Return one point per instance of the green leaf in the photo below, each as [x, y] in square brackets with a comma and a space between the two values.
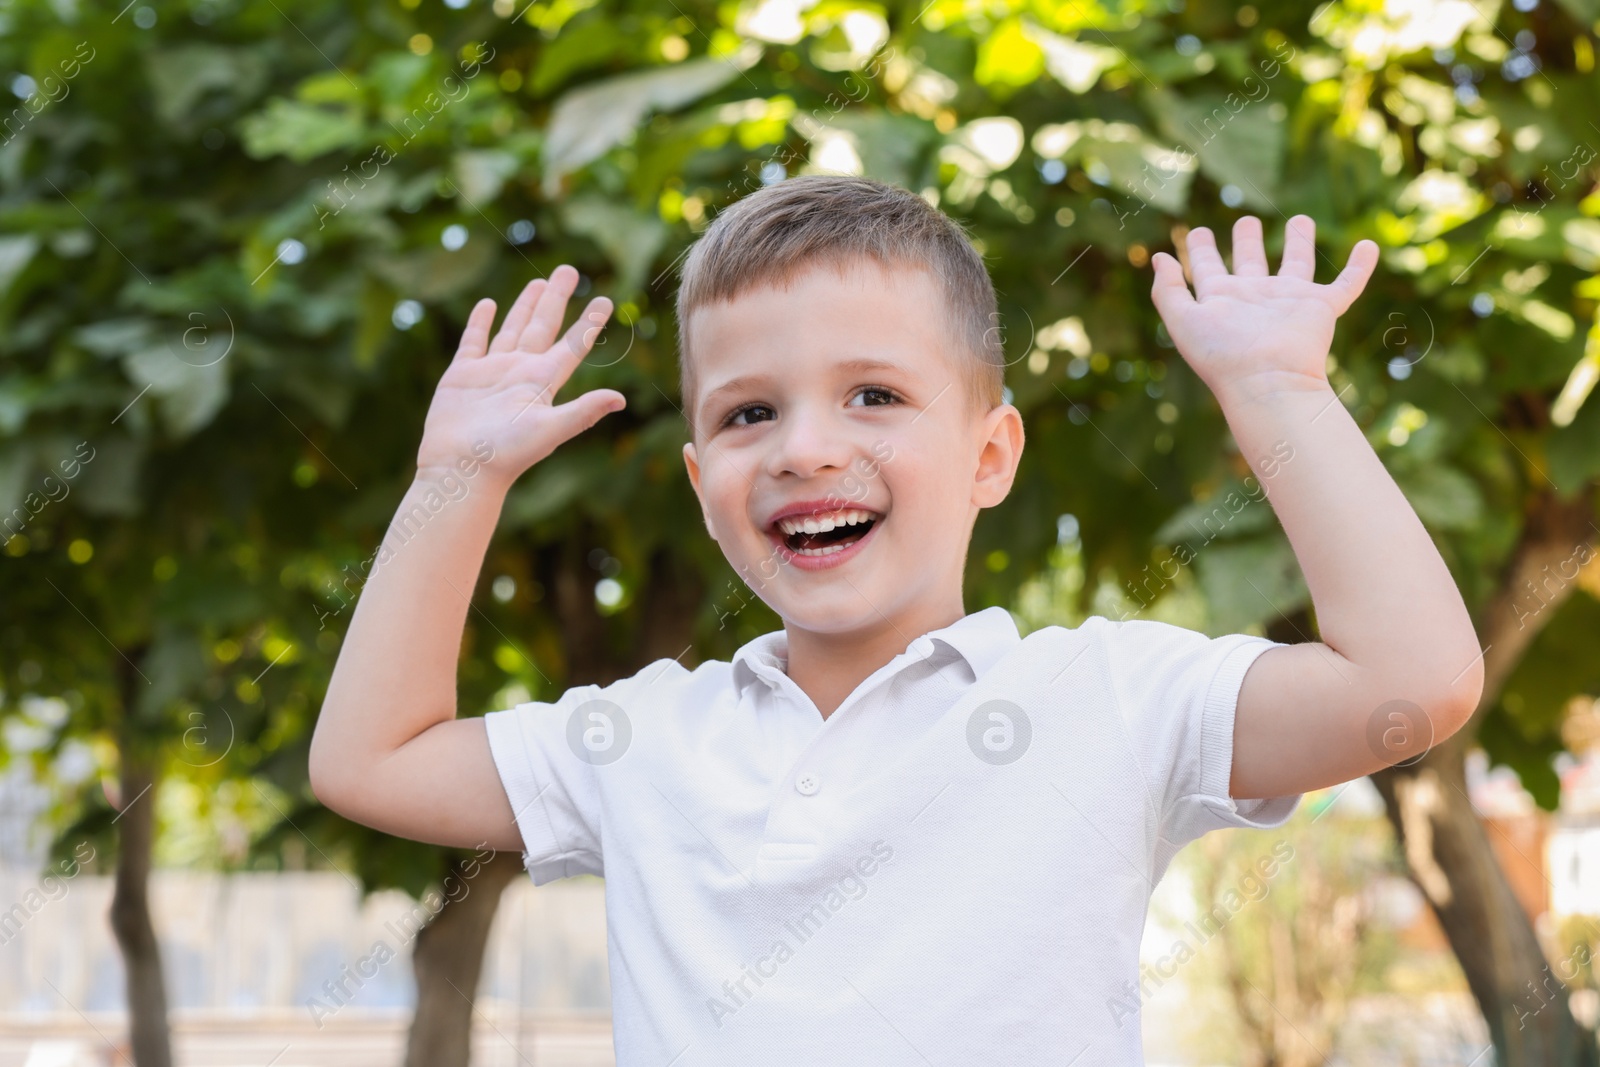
[17, 396]
[1236, 139]
[115, 337]
[181, 76]
[1530, 758]
[16, 252]
[1585, 11]
[1580, 239]
[579, 46]
[188, 396]
[631, 240]
[329, 87]
[891, 146]
[396, 74]
[1232, 511]
[320, 391]
[1074, 64]
[300, 131]
[1542, 237]
[109, 482]
[1134, 163]
[556, 484]
[1444, 498]
[16, 469]
[1574, 449]
[173, 665]
[432, 274]
[1523, 729]
[1455, 362]
[1250, 582]
[587, 122]
[1009, 57]
[482, 172]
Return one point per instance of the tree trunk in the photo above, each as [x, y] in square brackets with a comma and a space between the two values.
[130, 910]
[1447, 849]
[448, 960]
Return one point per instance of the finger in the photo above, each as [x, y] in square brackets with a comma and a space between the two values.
[1204, 260]
[1249, 251]
[1344, 289]
[476, 335]
[1169, 291]
[517, 317]
[1299, 249]
[580, 413]
[545, 323]
[581, 336]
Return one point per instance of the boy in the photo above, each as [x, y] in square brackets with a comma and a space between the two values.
[892, 832]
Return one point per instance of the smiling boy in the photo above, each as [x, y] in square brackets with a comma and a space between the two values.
[891, 832]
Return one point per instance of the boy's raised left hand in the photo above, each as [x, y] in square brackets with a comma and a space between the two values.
[1250, 333]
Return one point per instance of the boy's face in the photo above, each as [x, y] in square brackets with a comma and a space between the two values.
[901, 441]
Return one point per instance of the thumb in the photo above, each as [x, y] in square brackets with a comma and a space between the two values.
[1353, 279]
[582, 412]
[1168, 291]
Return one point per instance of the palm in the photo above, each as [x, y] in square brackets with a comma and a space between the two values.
[503, 392]
[1250, 323]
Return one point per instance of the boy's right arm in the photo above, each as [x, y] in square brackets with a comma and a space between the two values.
[388, 750]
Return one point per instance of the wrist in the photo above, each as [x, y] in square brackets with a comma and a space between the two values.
[475, 468]
[467, 477]
[452, 485]
[1271, 387]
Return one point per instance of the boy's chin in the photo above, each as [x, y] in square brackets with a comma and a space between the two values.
[840, 610]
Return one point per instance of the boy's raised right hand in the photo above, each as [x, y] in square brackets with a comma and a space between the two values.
[503, 391]
[389, 751]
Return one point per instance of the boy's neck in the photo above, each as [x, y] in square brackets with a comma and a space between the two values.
[829, 666]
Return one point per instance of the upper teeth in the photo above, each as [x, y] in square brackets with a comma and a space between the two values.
[813, 524]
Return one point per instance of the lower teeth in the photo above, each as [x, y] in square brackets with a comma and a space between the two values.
[826, 550]
[830, 550]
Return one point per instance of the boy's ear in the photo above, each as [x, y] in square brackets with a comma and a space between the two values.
[1000, 450]
[692, 463]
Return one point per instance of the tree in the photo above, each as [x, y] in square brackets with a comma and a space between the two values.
[331, 186]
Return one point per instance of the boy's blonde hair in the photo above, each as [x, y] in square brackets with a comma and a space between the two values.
[778, 231]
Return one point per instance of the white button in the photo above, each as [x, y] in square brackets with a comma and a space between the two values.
[808, 784]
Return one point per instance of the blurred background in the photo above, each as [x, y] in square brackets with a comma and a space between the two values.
[238, 242]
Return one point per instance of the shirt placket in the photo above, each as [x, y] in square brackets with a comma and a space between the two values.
[801, 798]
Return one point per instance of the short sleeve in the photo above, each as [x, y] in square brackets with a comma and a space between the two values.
[1178, 691]
[552, 791]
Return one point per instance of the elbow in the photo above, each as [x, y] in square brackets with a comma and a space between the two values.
[1455, 703]
[317, 776]
[324, 773]
[1418, 710]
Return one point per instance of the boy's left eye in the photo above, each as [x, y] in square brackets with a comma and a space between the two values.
[889, 397]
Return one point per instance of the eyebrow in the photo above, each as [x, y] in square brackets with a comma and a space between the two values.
[848, 366]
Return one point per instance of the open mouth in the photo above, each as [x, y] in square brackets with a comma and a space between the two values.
[827, 533]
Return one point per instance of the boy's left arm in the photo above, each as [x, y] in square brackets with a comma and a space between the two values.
[1398, 668]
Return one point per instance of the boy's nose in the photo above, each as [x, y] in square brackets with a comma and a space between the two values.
[808, 441]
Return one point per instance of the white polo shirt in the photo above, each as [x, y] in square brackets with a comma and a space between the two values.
[952, 868]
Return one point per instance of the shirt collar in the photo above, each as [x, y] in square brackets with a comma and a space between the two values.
[980, 638]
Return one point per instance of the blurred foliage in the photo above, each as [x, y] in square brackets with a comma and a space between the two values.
[1290, 924]
[238, 240]
[1577, 951]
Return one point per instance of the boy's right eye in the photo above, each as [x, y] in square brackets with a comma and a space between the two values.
[733, 416]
